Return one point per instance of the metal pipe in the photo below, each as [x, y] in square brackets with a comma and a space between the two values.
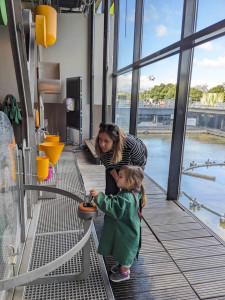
[115, 57]
[136, 72]
[181, 102]
[105, 59]
[91, 72]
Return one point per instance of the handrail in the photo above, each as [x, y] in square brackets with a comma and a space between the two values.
[24, 279]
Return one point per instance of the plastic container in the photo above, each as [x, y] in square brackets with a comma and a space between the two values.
[50, 169]
[52, 151]
[51, 138]
[42, 167]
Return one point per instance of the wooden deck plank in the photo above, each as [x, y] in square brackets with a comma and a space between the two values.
[176, 213]
[184, 234]
[203, 276]
[170, 221]
[197, 252]
[179, 293]
[201, 263]
[152, 283]
[191, 243]
[143, 258]
[176, 227]
[210, 289]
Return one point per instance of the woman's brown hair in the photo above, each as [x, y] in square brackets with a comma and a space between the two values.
[134, 176]
[117, 135]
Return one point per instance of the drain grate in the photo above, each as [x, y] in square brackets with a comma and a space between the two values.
[58, 215]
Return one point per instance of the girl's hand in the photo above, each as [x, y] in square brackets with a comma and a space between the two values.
[94, 193]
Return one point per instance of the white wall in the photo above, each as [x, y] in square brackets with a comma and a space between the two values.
[71, 51]
[8, 83]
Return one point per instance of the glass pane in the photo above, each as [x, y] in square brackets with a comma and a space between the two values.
[205, 136]
[155, 115]
[123, 101]
[9, 214]
[126, 32]
[162, 24]
[99, 8]
[210, 12]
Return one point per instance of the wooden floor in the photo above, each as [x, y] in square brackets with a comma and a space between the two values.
[180, 257]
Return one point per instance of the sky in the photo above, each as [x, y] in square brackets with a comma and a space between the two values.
[162, 27]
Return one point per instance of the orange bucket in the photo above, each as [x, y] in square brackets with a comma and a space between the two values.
[42, 167]
[51, 138]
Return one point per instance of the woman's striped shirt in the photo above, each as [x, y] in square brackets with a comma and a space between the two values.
[134, 153]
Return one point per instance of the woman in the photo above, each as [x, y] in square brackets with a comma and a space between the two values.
[116, 149]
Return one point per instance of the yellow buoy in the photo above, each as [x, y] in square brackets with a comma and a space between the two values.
[51, 138]
[42, 167]
[52, 150]
[48, 23]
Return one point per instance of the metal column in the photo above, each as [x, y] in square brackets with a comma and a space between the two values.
[136, 72]
[91, 53]
[115, 58]
[105, 59]
[181, 103]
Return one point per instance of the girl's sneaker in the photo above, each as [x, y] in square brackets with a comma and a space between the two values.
[115, 269]
[119, 276]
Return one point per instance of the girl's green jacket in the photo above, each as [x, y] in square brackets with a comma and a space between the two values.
[122, 227]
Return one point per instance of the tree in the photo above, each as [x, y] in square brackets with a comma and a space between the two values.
[217, 89]
[195, 94]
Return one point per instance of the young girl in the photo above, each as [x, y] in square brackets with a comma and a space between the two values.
[116, 149]
[121, 232]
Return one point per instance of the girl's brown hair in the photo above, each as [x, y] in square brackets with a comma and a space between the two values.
[134, 176]
[117, 135]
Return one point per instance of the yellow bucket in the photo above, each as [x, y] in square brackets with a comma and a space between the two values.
[52, 150]
[42, 167]
[45, 26]
[51, 138]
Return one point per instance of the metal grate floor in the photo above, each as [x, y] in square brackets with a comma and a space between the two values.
[58, 215]
[58, 230]
[90, 288]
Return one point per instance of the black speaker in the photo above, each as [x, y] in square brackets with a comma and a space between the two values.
[74, 90]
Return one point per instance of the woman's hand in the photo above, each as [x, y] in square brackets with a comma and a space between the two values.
[94, 193]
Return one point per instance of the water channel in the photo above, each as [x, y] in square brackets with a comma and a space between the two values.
[198, 148]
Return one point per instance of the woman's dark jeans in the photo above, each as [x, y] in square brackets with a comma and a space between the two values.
[111, 187]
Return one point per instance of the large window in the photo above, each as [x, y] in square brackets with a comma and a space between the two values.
[162, 24]
[209, 12]
[205, 135]
[126, 32]
[123, 101]
[155, 115]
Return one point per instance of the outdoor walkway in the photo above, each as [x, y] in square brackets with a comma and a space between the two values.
[180, 257]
